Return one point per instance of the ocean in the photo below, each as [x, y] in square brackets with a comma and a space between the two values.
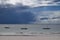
[29, 29]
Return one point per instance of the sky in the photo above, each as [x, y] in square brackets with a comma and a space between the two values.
[33, 3]
[30, 12]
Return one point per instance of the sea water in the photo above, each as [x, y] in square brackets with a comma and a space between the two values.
[31, 29]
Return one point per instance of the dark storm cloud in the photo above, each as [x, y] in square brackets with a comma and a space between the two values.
[10, 16]
[56, 0]
[44, 18]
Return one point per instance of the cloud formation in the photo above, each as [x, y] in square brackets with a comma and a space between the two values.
[33, 3]
[30, 11]
[50, 17]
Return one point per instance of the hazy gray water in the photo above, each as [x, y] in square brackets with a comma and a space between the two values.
[31, 28]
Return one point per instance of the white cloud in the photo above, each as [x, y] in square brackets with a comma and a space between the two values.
[32, 3]
[50, 15]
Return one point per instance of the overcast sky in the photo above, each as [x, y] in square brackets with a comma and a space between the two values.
[36, 7]
[34, 3]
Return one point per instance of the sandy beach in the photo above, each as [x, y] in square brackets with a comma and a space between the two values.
[40, 37]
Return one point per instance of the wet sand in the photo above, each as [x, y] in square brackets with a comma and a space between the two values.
[40, 37]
